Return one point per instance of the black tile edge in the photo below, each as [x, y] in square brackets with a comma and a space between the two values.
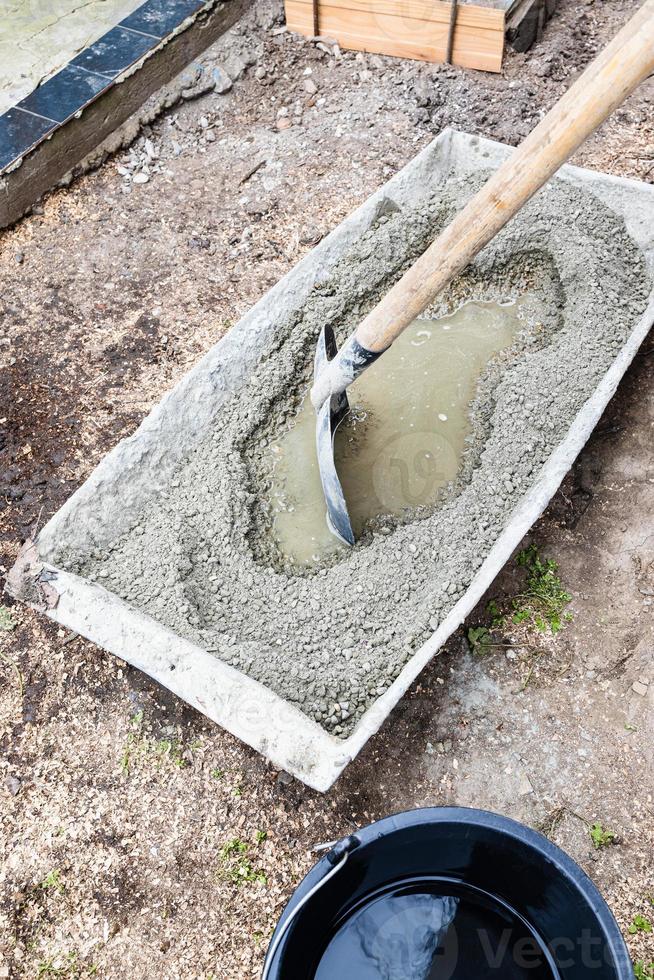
[29, 128]
[64, 94]
[115, 52]
[160, 18]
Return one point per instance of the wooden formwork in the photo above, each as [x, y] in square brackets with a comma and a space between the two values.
[408, 28]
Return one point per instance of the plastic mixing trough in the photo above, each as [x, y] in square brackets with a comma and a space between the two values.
[134, 475]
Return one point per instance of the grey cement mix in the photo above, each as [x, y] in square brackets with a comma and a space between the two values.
[198, 558]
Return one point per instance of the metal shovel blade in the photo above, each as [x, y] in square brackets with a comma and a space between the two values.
[330, 416]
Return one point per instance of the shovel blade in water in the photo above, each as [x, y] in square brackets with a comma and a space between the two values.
[329, 417]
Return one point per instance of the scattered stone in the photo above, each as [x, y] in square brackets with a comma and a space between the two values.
[140, 178]
[283, 123]
[19, 258]
[236, 63]
[284, 778]
[222, 82]
[12, 785]
[260, 206]
[329, 46]
[639, 688]
[309, 86]
[311, 236]
[206, 84]
[525, 787]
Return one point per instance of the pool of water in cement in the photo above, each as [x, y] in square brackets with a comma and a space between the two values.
[404, 438]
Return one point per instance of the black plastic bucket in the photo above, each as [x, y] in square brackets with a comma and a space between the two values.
[445, 894]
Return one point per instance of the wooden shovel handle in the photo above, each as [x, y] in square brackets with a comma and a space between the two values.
[605, 84]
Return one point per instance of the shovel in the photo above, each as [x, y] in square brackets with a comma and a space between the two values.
[605, 84]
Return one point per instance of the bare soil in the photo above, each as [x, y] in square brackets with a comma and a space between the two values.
[117, 799]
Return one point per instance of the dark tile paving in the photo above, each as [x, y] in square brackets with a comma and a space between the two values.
[66, 92]
[92, 71]
[161, 17]
[19, 131]
[114, 52]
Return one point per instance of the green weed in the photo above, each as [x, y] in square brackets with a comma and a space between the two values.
[601, 837]
[52, 881]
[495, 613]
[235, 865]
[65, 965]
[644, 971]
[140, 745]
[7, 621]
[544, 599]
[640, 924]
[480, 640]
[217, 773]
[169, 749]
[541, 606]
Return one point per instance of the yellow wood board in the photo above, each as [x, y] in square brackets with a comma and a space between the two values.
[407, 29]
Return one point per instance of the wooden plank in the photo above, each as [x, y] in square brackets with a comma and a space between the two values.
[435, 11]
[366, 29]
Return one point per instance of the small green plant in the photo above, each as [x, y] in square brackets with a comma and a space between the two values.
[7, 621]
[541, 605]
[217, 773]
[65, 965]
[601, 837]
[640, 924]
[170, 750]
[132, 743]
[236, 865]
[260, 836]
[139, 744]
[644, 971]
[480, 640]
[52, 881]
[495, 613]
[544, 599]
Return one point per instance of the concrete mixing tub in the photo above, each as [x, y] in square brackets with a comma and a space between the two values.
[140, 467]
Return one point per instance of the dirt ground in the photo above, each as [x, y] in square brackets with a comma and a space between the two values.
[120, 805]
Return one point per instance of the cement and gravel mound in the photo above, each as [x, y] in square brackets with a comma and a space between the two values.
[332, 640]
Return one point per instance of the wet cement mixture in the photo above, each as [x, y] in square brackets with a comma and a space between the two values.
[332, 639]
